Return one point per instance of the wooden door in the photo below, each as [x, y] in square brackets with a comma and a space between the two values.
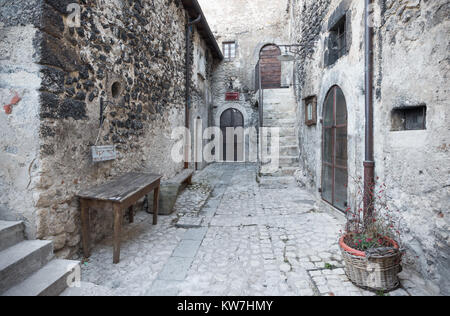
[334, 153]
[270, 67]
[232, 149]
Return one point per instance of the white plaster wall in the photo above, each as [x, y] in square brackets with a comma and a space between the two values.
[19, 131]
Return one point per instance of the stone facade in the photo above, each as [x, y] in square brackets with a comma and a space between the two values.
[251, 24]
[411, 61]
[124, 65]
[119, 78]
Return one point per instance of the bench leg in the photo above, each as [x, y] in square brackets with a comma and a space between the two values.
[118, 216]
[155, 205]
[85, 227]
[131, 214]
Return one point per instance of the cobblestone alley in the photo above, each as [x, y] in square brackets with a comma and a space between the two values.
[229, 237]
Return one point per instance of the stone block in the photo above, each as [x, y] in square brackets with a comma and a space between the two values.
[167, 197]
[195, 233]
[187, 249]
[51, 21]
[175, 269]
[72, 109]
[52, 80]
[54, 52]
[61, 5]
[49, 103]
[58, 241]
[169, 192]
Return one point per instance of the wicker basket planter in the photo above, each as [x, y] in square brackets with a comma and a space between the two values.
[375, 273]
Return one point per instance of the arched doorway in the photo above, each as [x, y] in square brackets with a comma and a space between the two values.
[232, 127]
[334, 152]
[270, 67]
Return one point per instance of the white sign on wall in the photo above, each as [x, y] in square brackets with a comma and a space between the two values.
[103, 153]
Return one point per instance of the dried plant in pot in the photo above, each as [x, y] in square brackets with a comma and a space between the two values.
[371, 246]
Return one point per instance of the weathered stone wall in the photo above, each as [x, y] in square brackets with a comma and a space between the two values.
[411, 69]
[202, 99]
[124, 65]
[252, 24]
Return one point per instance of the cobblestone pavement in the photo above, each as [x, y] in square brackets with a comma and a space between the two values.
[229, 236]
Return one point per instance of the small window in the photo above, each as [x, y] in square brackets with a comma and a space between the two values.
[337, 43]
[409, 118]
[229, 50]
[310, 110]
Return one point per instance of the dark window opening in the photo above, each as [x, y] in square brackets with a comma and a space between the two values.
[116, 89]
[409, 118]
[337, 41]
[229, 50]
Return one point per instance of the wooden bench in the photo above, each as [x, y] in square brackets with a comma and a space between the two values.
[118, 195]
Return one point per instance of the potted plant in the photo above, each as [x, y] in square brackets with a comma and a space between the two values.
[371, 246]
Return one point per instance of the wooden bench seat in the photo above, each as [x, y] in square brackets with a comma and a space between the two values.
[119, 195]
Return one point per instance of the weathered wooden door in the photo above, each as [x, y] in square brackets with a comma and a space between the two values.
[270, 67]
[232, 124]
[334, 153]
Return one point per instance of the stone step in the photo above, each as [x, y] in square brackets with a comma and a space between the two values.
[285, 122]
[276, 182]
[291, 150]
[51, 280]
[11, 233]
[287, 141]
[279, 107]
[286, 131]
[280, 172]
[283, 161]
[279, 100]
[277, 115]
[21, 260]
[288, 171]
[271, 92]
[286, 161]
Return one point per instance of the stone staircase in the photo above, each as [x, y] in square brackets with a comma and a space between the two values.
[280, 111]
[27, 267]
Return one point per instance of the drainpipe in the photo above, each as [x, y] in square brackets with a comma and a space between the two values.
[188, 80]
[369, 163]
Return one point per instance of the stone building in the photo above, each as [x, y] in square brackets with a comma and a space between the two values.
[116, 78]
[119, 78]
[411, 114]
[243, 29]
[410, 111]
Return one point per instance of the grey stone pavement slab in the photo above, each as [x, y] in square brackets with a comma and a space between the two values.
[248, 240]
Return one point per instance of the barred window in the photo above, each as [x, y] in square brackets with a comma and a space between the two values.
[337, 41]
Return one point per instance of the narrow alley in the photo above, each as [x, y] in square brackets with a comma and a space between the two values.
[224, 148]
[248, 241]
